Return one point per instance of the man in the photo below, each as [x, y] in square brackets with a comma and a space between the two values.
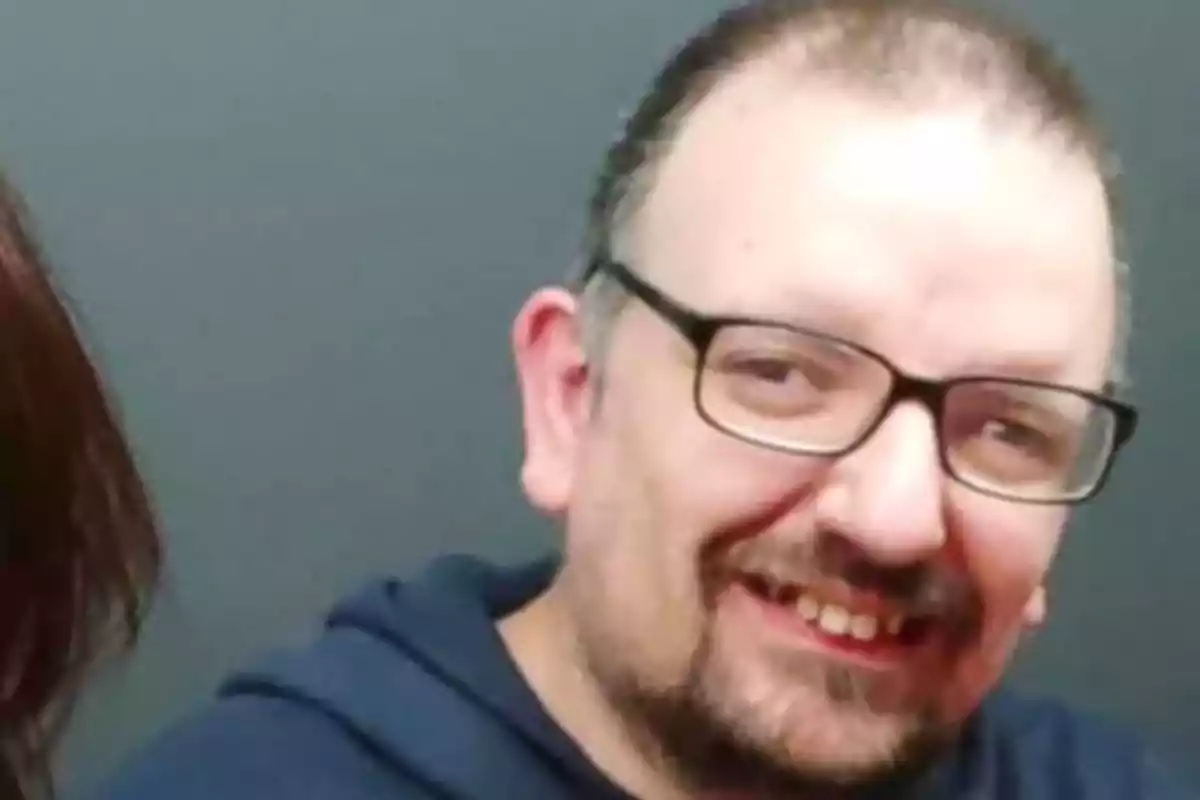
[844, 356]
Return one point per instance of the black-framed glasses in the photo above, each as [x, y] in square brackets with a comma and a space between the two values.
[809, 393]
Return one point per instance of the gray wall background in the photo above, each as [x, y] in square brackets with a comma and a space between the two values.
[296, 233]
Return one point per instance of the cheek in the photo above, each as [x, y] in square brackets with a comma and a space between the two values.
[713, 483]
[695, 479]
[657, 486]
[631, 553]
[1008, 549]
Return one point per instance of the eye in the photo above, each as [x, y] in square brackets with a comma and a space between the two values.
[765, 368]
[778, 369]
[1019, 435]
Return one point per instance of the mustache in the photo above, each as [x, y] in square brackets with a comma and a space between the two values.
[927, 589]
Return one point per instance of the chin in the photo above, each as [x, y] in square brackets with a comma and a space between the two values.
[846, 745]
[791, 744]
[809, 727]
[802, 728]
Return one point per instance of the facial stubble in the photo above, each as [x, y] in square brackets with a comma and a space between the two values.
[715, 741]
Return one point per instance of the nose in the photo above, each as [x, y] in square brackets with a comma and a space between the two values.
[886, 497]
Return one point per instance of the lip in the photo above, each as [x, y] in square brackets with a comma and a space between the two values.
[785, 623]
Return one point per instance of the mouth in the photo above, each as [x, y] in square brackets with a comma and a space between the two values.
[839, 620]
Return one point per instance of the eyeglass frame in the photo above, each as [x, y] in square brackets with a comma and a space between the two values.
[700, 330]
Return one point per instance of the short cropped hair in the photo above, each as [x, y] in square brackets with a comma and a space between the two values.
[912, 52]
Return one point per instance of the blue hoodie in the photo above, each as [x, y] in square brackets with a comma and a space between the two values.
[409, 694]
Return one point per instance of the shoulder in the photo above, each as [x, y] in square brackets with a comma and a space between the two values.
[298, 725]
[1041, 748]
[249, 747]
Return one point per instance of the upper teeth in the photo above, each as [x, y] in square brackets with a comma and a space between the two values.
[809, 608]
[864, 627]
[838, 621]
[835, 620]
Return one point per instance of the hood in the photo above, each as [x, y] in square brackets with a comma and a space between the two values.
[417, 671]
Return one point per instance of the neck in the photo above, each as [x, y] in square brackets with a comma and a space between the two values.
[541, 640]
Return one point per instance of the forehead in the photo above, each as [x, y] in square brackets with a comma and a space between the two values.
[931, 235]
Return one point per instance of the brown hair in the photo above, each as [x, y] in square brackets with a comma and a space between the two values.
[79, 550]
[900, 51]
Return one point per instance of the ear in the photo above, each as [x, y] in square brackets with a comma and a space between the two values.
[553, 377]
[1035, 608]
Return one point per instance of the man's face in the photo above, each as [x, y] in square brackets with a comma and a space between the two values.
[946, 245]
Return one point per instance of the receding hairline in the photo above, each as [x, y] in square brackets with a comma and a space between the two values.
[899, 53]
[811, 58]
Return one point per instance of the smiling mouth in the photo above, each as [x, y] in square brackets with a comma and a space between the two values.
[844, 625]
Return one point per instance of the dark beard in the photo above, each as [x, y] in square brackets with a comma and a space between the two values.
[684, 725]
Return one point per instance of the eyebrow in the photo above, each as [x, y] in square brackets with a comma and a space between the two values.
[847, 323]
[1030, 364]
[844, 320]
[1019, 367]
